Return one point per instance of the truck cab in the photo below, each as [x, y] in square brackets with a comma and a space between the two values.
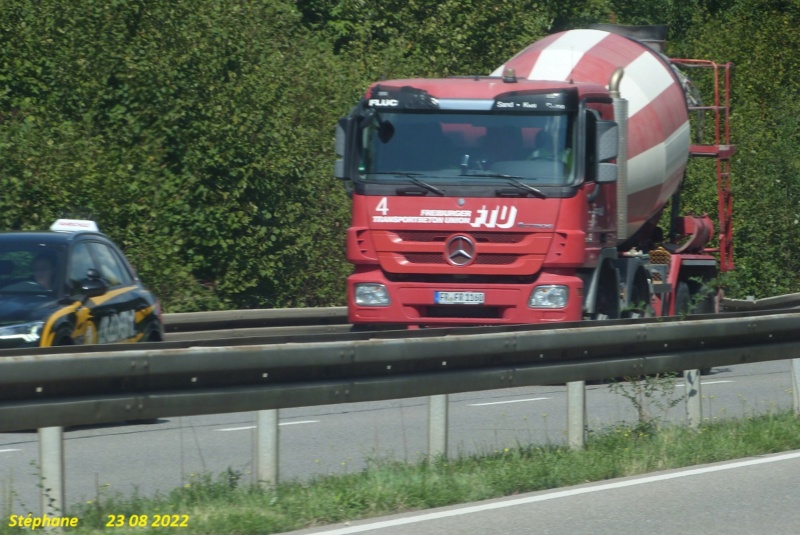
[476, 200]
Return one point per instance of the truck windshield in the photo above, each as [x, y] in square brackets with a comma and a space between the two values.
[469, 145]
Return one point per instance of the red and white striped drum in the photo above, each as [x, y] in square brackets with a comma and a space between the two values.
[658, 127]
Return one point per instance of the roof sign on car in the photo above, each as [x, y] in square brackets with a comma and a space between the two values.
[74, 225]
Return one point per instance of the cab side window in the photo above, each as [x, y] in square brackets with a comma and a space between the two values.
[80, 262]
[112, 270]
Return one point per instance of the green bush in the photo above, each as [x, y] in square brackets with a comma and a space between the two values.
[199, 135]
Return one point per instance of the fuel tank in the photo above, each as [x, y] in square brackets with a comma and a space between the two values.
[658, 124]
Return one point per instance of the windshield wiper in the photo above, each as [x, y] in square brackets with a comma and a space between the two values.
[514, 180]
[413, 178]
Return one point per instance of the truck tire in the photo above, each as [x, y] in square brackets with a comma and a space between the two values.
[705, 304]
[607, 304]
[683, 306]
[640, 299]
[688, 302]
[683, 299]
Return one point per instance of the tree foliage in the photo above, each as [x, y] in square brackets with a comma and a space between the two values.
[759, 38]
[199, 135]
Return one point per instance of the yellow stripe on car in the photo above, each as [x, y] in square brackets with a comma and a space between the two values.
[48, 335]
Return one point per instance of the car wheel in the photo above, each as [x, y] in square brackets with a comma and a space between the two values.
[63, 338]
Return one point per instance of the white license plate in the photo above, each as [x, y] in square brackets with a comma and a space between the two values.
[458, 298]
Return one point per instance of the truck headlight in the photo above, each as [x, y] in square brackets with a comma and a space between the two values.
[552, 296]
[26, 332]
[372, 295]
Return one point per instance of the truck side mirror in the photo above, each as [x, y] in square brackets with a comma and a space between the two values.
[606, 172]
[607, 140]
[606, 148]
[342, 164]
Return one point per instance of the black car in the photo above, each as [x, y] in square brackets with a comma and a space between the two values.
[71, 285]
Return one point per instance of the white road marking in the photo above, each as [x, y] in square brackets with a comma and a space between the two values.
[556, 495]
[503, 402]
[703, 383]
[6, 451]
[282, 423]
[300, 422]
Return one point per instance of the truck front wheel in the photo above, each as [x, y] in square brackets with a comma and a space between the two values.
[607, 304]
[682, 299]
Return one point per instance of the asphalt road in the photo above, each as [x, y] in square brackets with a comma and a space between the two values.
[120, 458]
[752, 496]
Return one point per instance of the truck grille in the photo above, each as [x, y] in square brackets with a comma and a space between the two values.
[427, 236]
[484, 259]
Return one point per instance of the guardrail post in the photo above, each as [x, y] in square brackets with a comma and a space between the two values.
[576, 414]
[694, 403]
[51, 459]
[437, 426]
[266, 456]
[796, 383]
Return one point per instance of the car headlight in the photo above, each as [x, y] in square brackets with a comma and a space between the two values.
[27, 332]
[372, 295]
[552, 296]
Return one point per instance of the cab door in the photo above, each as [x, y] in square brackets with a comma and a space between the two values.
[85, 326]
[111, 316]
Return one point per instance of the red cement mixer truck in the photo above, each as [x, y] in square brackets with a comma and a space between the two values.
[537, 194]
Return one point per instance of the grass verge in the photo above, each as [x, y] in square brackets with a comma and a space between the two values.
[221, 505]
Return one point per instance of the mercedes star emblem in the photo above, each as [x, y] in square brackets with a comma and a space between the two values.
[460, 250]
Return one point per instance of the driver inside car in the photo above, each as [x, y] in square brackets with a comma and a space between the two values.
[44, 269]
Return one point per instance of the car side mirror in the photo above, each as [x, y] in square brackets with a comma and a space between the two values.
[93, 285]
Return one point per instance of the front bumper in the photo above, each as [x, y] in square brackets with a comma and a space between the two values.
[413, 303]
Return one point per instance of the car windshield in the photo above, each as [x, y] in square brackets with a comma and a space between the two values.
[30, 268]
[469, 145]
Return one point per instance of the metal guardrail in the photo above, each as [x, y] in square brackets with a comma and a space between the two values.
[778, 302]
[106, 386]
[327, 320]
[258, 322]
[51, 391]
